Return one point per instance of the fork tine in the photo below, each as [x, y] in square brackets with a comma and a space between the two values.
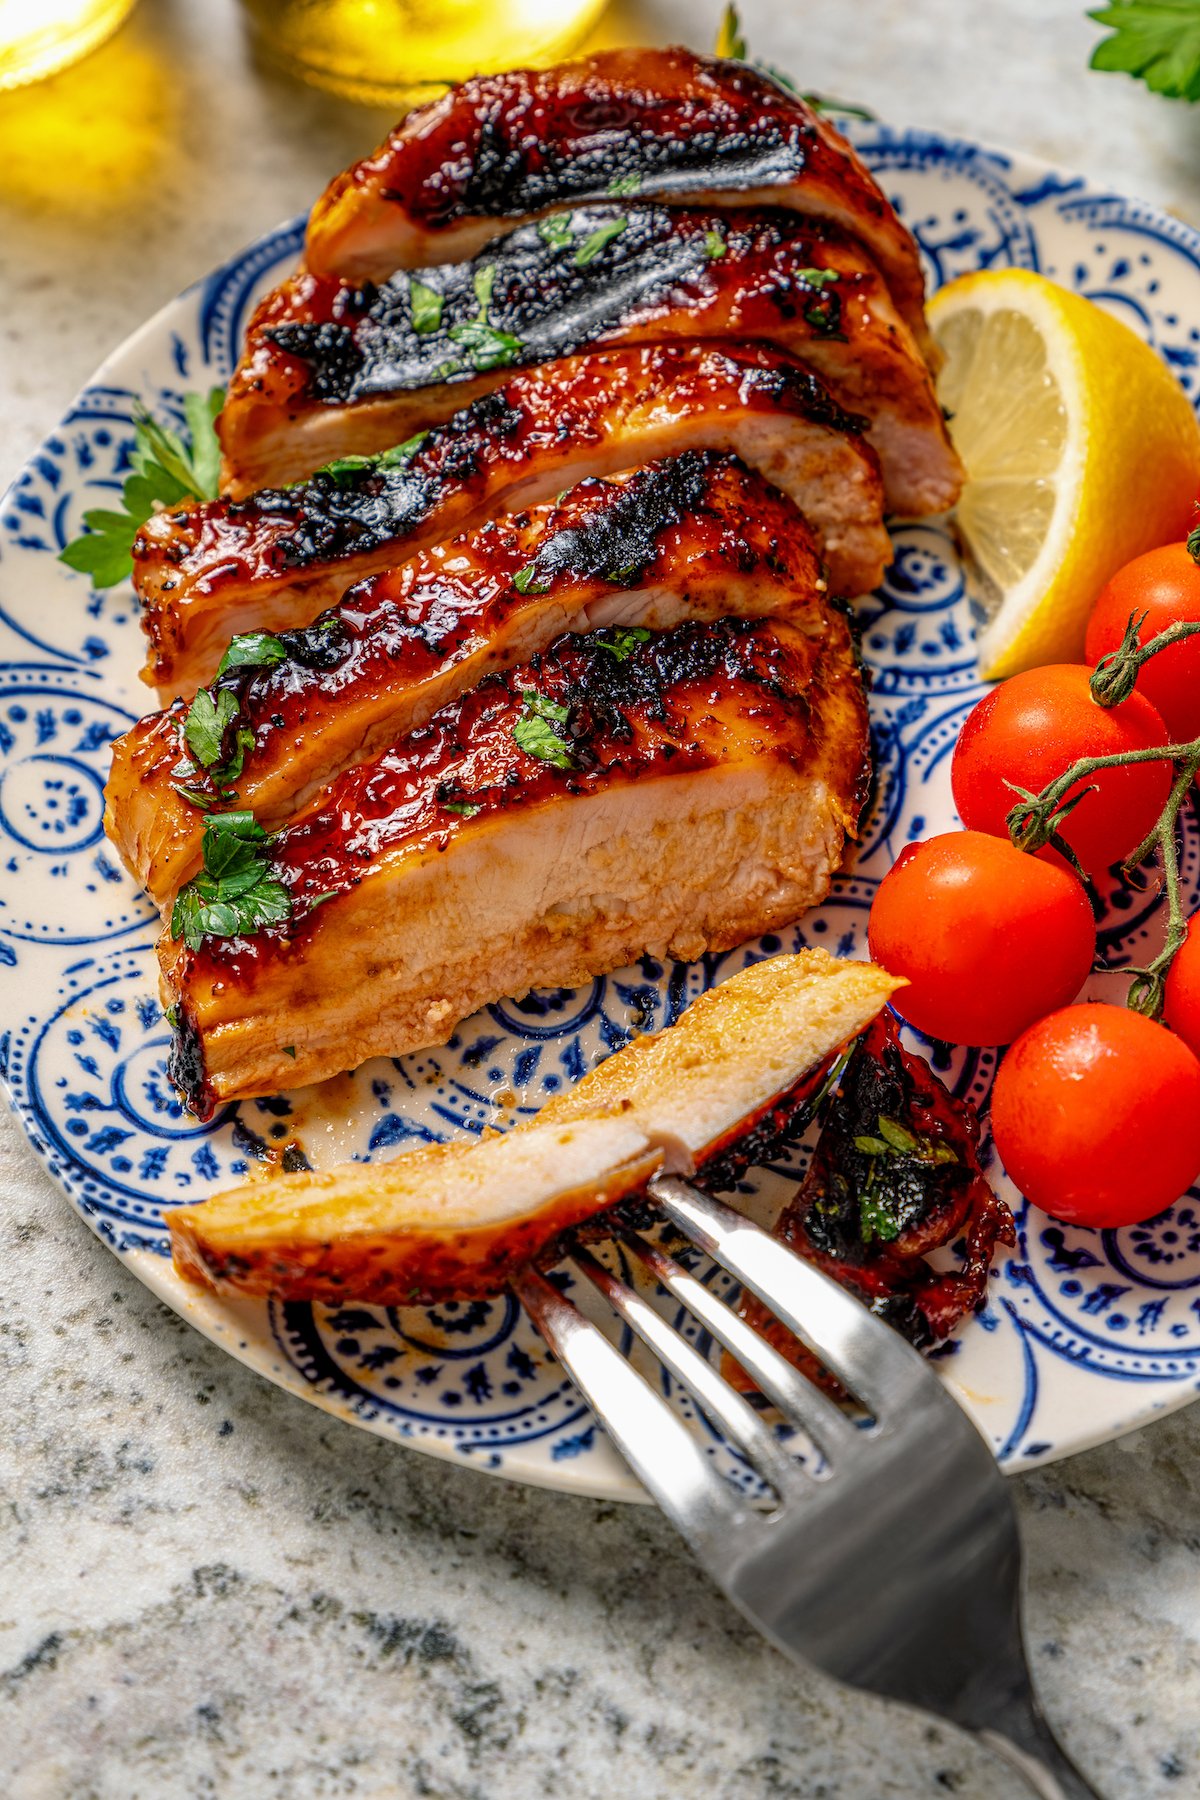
[654, 1441]
[869, 1359]
[802, 1405]
[727, 1409]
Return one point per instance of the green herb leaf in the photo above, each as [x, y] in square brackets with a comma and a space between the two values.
[730, 41]
[526, 581]
[624, 185]
[622, 642]
[715, 245]
[252, 650]
[484, 282]
[235, 893]
[206, 724]
[1157, 41]
[465, 808]
[426, 305]
[290, 1050]
[871, 1146]
[165, 470]
[398, 457]
[535, 731]
[898, 1136]
[816, 278]
[591, 247]
[556, 231]
[822, 103]
[484, 346]
[876, 1220]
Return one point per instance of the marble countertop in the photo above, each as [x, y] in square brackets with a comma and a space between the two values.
[209, 1588]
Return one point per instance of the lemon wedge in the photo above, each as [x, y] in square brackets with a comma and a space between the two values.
[1081, 450]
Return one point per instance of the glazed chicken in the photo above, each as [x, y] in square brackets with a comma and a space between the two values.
[331, 369]
[696, 537]
[556, 821]
[460, 1218]
[664, 125]
[275, 560]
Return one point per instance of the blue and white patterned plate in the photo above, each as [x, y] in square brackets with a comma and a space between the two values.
[1086, 1333]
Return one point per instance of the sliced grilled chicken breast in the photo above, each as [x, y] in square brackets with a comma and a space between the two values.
[696, 537]
[330, 367]
[273, 561]
[461, 1218]
[554, 822]
[665, 125]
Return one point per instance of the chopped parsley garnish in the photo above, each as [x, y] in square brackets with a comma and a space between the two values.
[878, 1219]
[527, 581]
[591, 246]
[398, 457]
[252, 650]
[730, 41]
[484, 344]
[714, 245]
[165, 471]
[816, 278]
[556, 231]
[1158, 41]
[623, 641]
[290, 1050]
[206, 724]
[624, 185]
[824, 313]
[426, 305]
[465, 808]
[235, 893]
[536, 731]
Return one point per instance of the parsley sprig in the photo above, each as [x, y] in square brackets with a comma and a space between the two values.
[538, 732]
[235, 893]
[483, 344]
[165, 471]
[1158, 41]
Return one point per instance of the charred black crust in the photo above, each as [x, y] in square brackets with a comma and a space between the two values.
[549, 302]
[186, 1066]
[740, 132]
[336, 517]
[622, 537]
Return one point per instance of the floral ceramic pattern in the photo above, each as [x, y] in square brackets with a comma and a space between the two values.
[1085, 1334]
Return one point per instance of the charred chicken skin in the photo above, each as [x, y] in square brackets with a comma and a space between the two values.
[666, 125]
[696, 537]
[895, 1175]
[460, 1218]
[331, 368]
[554, 822]
[273, 561]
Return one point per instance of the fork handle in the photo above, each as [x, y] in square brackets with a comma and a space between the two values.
[1028, 1745]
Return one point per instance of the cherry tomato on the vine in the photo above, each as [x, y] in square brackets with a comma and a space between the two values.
[1029, 731]
[1181, 1008]
[988, 938]
[1165, 585]
[1096, 1115]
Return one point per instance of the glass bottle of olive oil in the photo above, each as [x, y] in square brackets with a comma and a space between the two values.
[403, 51]
[37, 37]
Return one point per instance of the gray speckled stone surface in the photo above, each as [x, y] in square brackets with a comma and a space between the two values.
[208, 1588]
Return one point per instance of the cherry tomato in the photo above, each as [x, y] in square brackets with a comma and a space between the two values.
[989, 938]
[1096, 1115]
[1031, 729]
[1165, 585]
[1181, 1009]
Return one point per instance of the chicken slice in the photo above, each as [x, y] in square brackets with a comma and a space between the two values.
[461, 1218]
[273, 561]
[330, 368]
[695, 537]
[555, 822]
[666, 125]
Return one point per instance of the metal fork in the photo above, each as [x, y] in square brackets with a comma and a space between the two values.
[895, 1564]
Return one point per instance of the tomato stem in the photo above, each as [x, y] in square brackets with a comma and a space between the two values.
[1116, 674]
[1033, 823]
